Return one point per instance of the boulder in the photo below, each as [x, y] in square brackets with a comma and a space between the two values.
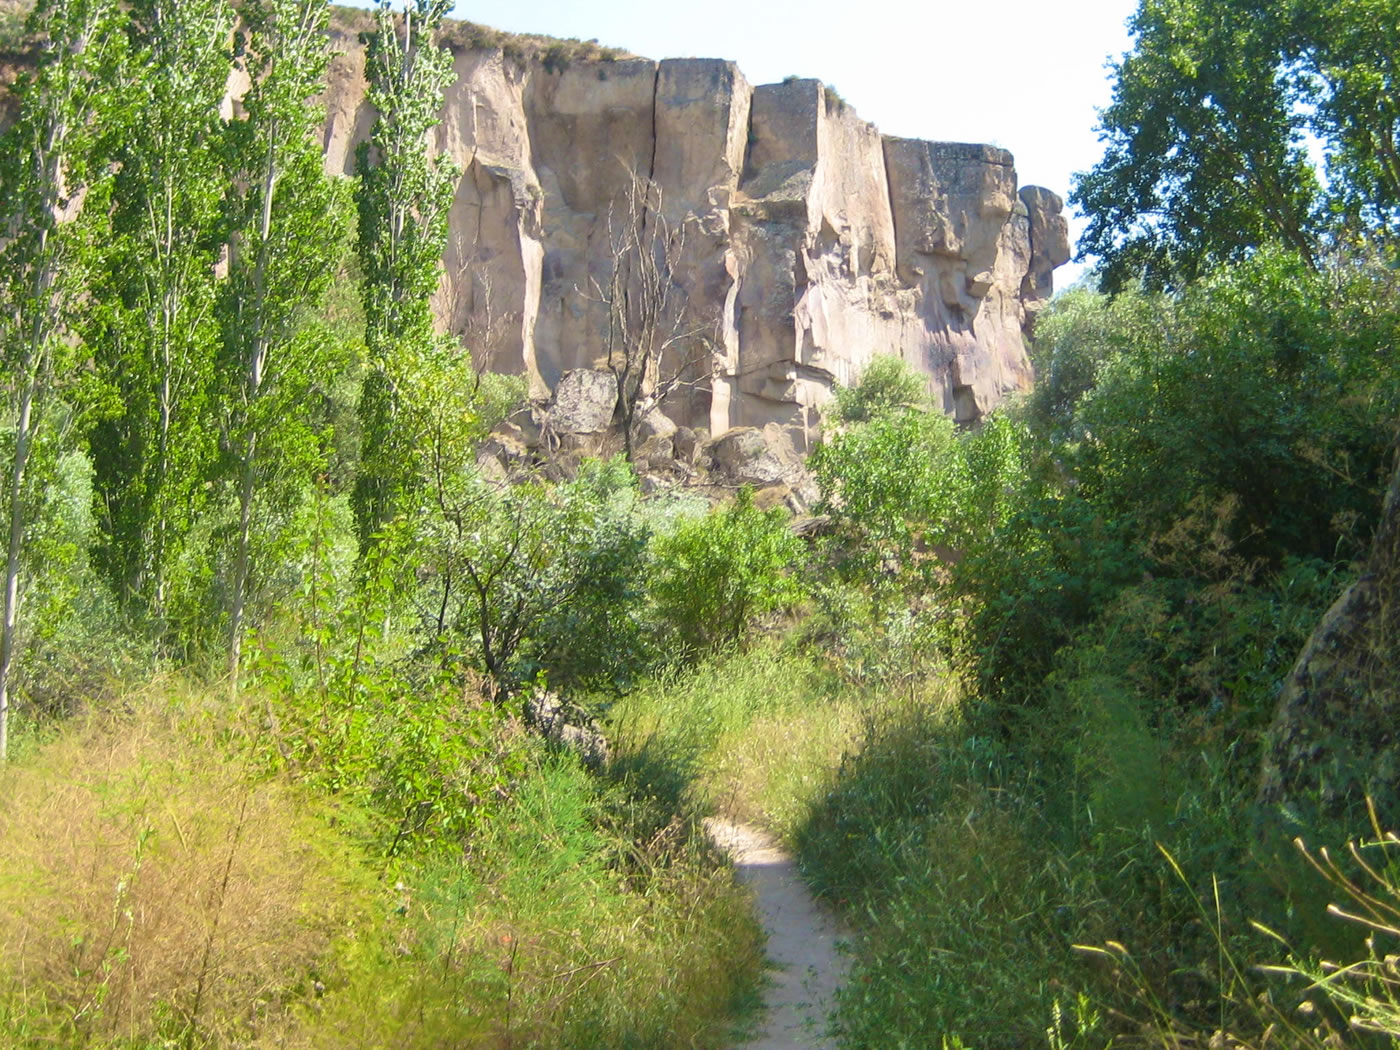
[1335, 738]
[757, 456]
[568, 726]
[655, 424]
[584, 402]
[656, 454]
[687, 442]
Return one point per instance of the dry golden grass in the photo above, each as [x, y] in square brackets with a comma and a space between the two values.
[150, 887]
[157, 893]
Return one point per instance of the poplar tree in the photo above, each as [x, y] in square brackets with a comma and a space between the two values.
[52, 180]
[288, 240]
[157, 334]
[404, 195]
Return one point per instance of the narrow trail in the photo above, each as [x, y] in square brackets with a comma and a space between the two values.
[802, 938]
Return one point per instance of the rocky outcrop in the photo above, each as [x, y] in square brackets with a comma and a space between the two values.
[1335, 738]
[801, 242]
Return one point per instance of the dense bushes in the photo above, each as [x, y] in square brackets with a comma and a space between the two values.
[1256, 386]
[1121, 571]
[1209, 438]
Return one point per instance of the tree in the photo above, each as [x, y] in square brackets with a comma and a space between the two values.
[714, 574]
[1260, 382]
[654, 339]
[520, 574]
[1206, 139]
[155, 335]
[1204, 156]
[891, 473]
[887, 386]
[288, 240]
[51, 183]
[1347, 49]
[404, 194]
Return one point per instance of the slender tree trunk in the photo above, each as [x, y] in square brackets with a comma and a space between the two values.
[9, 627]
[39, 326]
[161, 524]
[256, 360]
[243, 560]
[170, 318]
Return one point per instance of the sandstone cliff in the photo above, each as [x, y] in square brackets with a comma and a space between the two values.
[804, 241]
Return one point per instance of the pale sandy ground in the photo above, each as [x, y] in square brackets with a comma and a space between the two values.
[802, 938]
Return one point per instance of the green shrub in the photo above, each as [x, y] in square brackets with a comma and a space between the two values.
[886, 387]
[891, 488]
[532, 578]
[599, 638]
[13, 14]
[711, 576]
[1257, 385]
[1028, 584]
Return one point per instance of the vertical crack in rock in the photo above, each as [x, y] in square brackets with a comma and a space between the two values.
[655, 101]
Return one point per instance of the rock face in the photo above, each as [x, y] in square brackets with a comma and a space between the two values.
[802, 241]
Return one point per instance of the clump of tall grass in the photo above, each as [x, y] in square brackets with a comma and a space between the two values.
[759, 734]
[928, 839]
[164, 885]
[151, 888]
[1308, 1002]
[557, 928]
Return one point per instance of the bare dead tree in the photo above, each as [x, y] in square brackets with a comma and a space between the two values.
[655, 343]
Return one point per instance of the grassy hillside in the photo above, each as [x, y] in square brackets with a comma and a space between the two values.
[169, 880]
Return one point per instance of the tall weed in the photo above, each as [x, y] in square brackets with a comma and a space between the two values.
[151, 890]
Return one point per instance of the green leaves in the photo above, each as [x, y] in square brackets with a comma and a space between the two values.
[53, 177]
[403, 196]
[1350, 48]
[530, 577]
[887, 387]
[1261, 382]
[154, 333]
[1207, 137]
[1204, 155]
[891, 478]
[289, 236]
[713, 575]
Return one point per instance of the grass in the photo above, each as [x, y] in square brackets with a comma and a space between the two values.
[162, 888]
[758, 735]
[554, 53]
[153, 888]
[936, 856]
[977, 855]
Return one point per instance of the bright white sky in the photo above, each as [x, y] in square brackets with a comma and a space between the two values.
[1027, 75]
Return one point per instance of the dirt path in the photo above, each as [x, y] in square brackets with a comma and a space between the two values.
[802, 938]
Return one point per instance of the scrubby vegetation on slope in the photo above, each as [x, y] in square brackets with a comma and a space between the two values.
[274, 642]
[183, 872]
[1074, 845]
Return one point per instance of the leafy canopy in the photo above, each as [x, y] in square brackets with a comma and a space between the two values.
[1207, 138]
